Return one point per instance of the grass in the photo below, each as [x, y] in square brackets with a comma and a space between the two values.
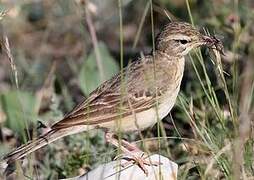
[209, 131]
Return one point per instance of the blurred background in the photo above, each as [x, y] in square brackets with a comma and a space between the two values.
[50, 58]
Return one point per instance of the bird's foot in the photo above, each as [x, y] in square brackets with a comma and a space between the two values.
[139, 158]
[131, 153]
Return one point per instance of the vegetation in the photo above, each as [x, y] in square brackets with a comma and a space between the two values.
[55, 52]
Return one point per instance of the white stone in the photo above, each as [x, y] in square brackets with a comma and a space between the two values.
[112, 171]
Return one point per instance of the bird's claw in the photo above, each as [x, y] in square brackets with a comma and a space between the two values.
[138, 158]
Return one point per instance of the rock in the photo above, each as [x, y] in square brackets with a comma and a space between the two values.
[112, 171]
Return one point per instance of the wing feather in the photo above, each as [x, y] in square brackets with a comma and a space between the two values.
[107, 103]
[96, 113]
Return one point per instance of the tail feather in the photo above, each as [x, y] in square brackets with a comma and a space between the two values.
[31, 146]
[41, 141]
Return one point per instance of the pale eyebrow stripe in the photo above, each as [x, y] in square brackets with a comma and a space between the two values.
[177, 37]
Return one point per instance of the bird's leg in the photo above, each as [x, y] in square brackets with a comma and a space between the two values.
[128, 146]
[134, 154]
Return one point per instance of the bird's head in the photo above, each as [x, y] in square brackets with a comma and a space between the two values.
[178, 38]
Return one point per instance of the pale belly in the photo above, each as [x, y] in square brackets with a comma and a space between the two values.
[142, 120]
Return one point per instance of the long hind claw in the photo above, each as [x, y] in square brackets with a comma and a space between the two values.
[141, 160]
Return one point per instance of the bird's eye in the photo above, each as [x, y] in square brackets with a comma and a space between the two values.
[183, 41]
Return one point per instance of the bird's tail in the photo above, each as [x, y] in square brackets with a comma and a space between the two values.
[41, 141]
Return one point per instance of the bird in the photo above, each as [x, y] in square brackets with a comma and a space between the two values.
[132, 100]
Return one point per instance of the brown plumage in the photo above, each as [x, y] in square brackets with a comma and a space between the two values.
[130, 105]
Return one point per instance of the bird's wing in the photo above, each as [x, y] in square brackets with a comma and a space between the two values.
[108, 103]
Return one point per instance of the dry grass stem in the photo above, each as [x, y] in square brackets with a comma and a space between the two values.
[11, 60]
[92, 32]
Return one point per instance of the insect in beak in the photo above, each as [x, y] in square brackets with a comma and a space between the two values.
[211, 41]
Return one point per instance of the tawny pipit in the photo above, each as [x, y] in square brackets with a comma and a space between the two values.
[131, 100]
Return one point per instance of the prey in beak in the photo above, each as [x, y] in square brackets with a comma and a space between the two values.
[212, 41]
